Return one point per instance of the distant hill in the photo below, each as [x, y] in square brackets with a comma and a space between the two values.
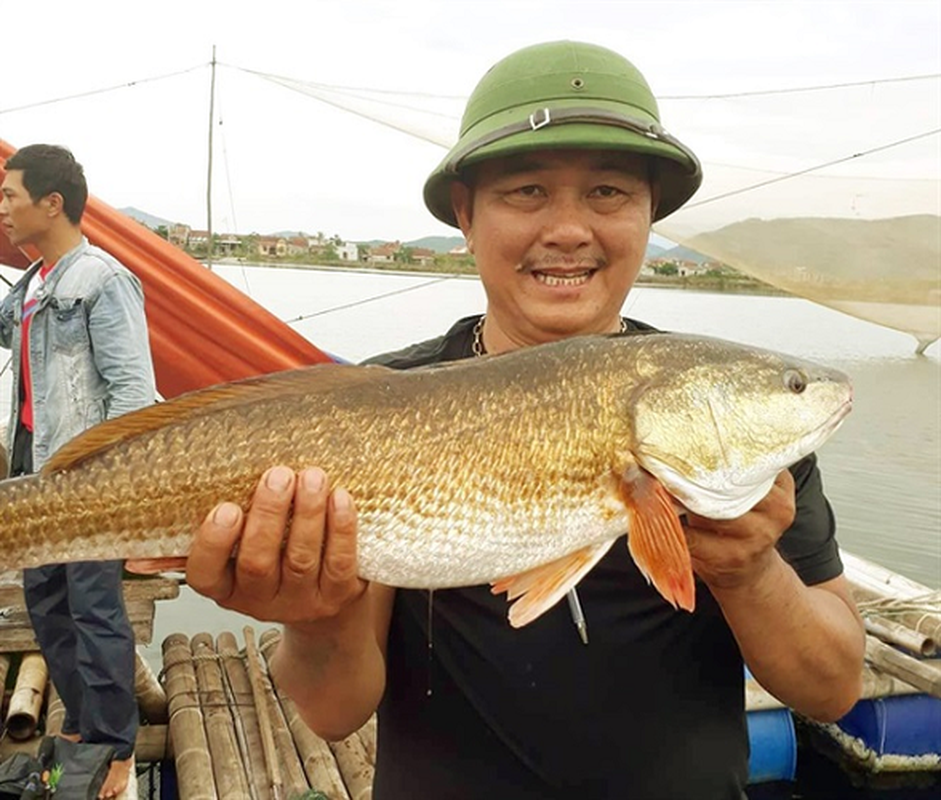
[440, 244]
[149, 220]
[680, 253]
[654, 251]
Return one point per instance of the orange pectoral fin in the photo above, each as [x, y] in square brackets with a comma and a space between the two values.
[656, 539]
[541, 588]
[153, 566]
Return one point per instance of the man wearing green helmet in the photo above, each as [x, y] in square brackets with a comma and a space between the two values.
[560, 169]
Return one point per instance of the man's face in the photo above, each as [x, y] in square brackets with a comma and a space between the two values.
[559, 237]
[22, 220]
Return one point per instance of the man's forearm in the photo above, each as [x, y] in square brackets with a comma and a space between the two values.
[804, 644]
[334, 669]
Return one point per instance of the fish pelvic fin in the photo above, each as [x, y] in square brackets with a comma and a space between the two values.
[537, 590]
[656, 539]
[154, 566]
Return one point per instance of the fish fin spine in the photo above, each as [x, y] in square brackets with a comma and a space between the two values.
[537, 590]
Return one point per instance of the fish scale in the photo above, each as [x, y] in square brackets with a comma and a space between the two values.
[462, 473]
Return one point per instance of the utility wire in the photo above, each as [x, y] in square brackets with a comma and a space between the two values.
[796, 89]
[790, 175]
[372, 299]
[104, 90]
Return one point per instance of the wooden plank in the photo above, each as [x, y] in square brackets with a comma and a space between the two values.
[16, 632]
[158, 588]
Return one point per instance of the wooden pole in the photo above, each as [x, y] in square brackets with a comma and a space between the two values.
[212, 113]
[317, 758]
[240, 698]
[187, 733]
[220, 728]
[26, 700]
[295, 781]
[151, 697]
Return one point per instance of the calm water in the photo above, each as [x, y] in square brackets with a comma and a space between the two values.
[882, 470]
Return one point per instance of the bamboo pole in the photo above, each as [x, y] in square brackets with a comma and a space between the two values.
[900, 635]
[871, 583]
[264, 719]
[240, 698]
[4, 669]
[368, 734]
[151, 697]
[193, 765]
[231, 781]
[354, 766]
[295, 781]
[920, 674]
[153, 744]
[55, 711]
[317, 758]
[26, 700]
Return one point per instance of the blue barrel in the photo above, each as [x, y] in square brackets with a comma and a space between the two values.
[773, 746]
[907, 725]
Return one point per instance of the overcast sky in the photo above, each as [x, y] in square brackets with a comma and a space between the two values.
[284, 160]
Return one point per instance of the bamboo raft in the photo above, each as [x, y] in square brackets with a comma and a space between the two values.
[214, 724]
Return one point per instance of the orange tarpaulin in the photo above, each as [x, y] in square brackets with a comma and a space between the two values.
[202, 329]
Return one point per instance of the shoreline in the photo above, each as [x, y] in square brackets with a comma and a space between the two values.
[732, 285]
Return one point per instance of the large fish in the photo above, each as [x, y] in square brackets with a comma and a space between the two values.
[520, 469]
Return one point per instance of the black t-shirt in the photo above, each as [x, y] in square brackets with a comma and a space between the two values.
[652, 707]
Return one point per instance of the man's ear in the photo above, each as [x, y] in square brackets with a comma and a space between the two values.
[462, 201]
[654, 200]
[54, 203]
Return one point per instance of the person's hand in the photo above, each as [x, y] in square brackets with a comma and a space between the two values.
[736, 552]
[290, 559]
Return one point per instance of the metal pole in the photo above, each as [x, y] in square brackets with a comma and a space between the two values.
[212, 100]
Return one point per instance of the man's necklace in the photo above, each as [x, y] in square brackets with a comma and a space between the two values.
[478, 349]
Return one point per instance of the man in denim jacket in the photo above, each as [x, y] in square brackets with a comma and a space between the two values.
[76, 327]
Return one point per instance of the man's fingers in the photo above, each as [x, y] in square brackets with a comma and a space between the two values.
[304, 546]
[258, 566]
[209, 566]
[338, 576]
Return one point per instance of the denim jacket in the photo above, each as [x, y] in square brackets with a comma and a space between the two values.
[89, 351]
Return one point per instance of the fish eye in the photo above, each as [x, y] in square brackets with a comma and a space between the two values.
[795, 381]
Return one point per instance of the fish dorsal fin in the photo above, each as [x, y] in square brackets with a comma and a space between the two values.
[541, 588]
[321, 378]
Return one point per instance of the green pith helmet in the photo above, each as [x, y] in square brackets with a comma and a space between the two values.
[564, 95]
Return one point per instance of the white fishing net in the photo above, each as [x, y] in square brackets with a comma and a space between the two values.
[831, 193]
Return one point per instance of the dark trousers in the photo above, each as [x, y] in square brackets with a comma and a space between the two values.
[78, 615]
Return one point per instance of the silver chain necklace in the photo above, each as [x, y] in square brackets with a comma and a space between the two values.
[478, 349]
